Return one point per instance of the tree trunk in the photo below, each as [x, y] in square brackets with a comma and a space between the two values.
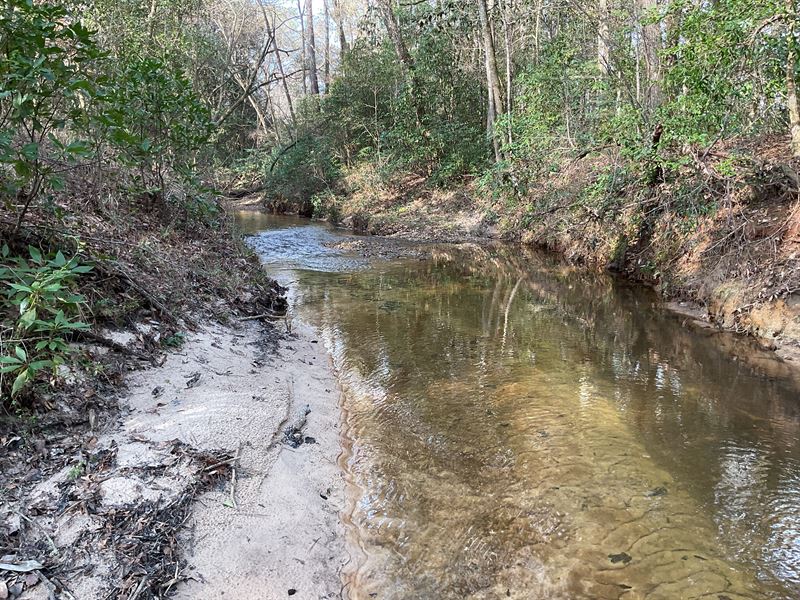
[395, 34]
[303, 57]
[279, 62]
[495, 104]
[339, 18]
[311, 50]
[673, 24]
[327, 62]
[262, 121]
[507, 36]
[392, 25]
[537, 30]
[273, 116]
[602, 37]
[650, 47]
[491, 116]
[250, 86]
[791, 73]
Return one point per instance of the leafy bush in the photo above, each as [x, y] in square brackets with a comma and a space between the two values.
[427, 120]
[719, 66]
[293, 174]
[326, 206]
[40, 310]
[154, 119]
[46, 84]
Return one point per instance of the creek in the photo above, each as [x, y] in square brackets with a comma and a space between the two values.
[519, 428]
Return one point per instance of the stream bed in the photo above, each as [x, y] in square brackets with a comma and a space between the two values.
[519, 428]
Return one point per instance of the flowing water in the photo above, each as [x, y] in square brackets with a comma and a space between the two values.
[520, 429]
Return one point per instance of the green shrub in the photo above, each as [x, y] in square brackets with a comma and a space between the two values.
[155, 121]
[326, 206]
[46, 84]
[40, 310]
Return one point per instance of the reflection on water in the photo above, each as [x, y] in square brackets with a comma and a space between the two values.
[520, 429]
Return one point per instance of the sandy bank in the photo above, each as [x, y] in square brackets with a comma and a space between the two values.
[283, 532]
[195, 490]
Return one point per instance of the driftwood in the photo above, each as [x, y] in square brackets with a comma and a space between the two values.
[243, 193]
[117, 347]
[267, 315]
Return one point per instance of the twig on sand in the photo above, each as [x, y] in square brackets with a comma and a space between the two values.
[40, 528]
[116, 346]
[233, 478]
[139, 588]
[52, 587]
[221, 464]
[175, 579]
[268, 315]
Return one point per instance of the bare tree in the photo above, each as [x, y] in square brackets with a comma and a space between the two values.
[311, 50]
[791, 74]
[243, 69]
[495, 94]
[279, 63]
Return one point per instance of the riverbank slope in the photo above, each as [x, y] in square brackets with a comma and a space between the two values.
[719, 238]
[165, 415]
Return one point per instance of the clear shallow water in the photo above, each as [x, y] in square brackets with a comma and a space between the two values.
[521, 429]
[287, 243]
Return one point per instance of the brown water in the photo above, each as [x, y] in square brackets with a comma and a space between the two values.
[517, 428]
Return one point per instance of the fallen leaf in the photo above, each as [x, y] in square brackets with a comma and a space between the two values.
[193, 379]
[622, 557]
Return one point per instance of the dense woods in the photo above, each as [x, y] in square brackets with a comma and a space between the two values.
[557, 120]
[508, 89]
[290, 96]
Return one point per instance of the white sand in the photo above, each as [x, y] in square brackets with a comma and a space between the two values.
[282, 535]
[275, 532]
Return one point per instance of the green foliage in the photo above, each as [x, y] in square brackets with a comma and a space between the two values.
[63, 101]
[365, 102]
[377, 110]
[176, 340]
[722, 61]
[153, 117]
[40, 309]
[602, 197]
[326, 206]
[76, 470]
[295, 173]
[46, 83]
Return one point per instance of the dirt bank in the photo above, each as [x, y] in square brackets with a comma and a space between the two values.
[218, 479]
[720, 235]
